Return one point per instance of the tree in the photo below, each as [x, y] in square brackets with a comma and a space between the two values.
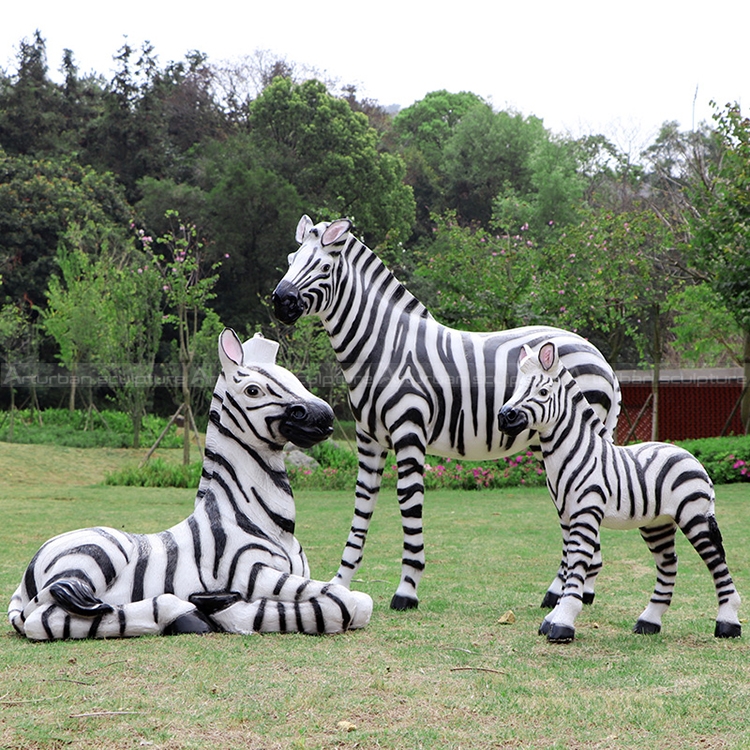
[40, 199]
[473, 280]
[188, 282]
[316, 143]
[72, 311]
[721, 226]
[600, 278]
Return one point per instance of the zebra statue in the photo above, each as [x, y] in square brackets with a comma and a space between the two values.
[654, 487]
[234, 565]
[414, 384]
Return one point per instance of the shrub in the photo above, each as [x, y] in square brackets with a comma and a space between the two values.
[157, 473]
[85, 429]
[726, 459]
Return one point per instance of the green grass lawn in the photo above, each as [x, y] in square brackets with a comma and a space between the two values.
[448, 675]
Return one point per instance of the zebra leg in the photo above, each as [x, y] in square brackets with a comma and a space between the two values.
[369, 476]
[58, 612]
[582, 542]
[704, 534]
[409, 447]
[283, 603]
[661, 542]
[554, 592]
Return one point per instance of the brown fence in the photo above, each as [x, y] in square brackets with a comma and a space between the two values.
[692, 404]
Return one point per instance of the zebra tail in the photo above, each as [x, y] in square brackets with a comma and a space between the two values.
[714, 534]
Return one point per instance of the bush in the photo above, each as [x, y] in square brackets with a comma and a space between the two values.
[158, 473]
[85, 429]
[726, 459]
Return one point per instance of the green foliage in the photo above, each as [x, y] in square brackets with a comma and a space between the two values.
[329, 153]
[40, 200]
[601, 278]
[84, 428]
[705, 332]
[726, 459]
[157, 473]
[722, 223]
[473, 280]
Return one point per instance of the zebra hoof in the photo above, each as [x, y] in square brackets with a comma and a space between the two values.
[192, 622]
[544, 627]
[550, 601]
[727, 630]
[400, 602]
[560, 633]
[78, 598]
[644, 627]
[208, 602]
[588, 597]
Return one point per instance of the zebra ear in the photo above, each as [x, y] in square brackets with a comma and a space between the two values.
[335, 231]
[230, 349]
[547, 355]
[524, 353]
[305, 223]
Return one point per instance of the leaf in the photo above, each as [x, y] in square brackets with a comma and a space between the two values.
[507, 618]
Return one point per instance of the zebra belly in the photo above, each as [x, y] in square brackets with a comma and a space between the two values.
[621, 523]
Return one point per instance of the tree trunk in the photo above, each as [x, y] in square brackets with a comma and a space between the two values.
[73, 383]
[745, 406]
[186, 412]
[657, 375]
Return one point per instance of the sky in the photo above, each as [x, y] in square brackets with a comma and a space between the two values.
[582, 66]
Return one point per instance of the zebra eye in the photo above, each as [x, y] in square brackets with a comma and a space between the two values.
[543, 392]
[326, 267]
[253, 391]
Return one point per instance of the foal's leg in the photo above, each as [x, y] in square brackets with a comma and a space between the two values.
[660, 540]
[582, 543]
[703, 533]
[554, 592]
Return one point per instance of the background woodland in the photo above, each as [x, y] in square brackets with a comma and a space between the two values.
[139, 215]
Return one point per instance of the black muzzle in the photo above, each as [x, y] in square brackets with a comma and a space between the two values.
[288, 306]
[512, 421]
[306, 424]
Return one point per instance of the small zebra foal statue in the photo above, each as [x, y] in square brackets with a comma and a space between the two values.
[654, 487]
[416, 386]
[234, 565]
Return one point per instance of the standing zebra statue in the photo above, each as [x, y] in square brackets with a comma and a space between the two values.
[654, 487]
[416, 385]
[234, 565]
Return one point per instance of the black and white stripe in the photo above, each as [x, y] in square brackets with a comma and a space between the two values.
[233, 565]
[655, 487]
[415, 386]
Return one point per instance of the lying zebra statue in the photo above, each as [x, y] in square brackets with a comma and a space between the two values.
[654, 487]
[234, 565]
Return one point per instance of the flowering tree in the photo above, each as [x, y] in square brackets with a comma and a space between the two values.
[474, 280]
[188, 278]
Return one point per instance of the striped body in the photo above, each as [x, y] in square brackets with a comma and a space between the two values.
[415, 386]
[655, 487]
[234, 564]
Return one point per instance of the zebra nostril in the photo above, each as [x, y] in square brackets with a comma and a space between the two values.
[298, 412]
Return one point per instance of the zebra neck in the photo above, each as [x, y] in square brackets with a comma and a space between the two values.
[244, 476]
[579, 430]
[369, 303]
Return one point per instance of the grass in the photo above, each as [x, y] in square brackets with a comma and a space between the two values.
[448, 675]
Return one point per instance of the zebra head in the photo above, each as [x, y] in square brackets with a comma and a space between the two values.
[263, 404]
[534, 404]
[308, 286]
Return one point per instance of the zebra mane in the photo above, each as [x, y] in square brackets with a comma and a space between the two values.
[359, 255]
